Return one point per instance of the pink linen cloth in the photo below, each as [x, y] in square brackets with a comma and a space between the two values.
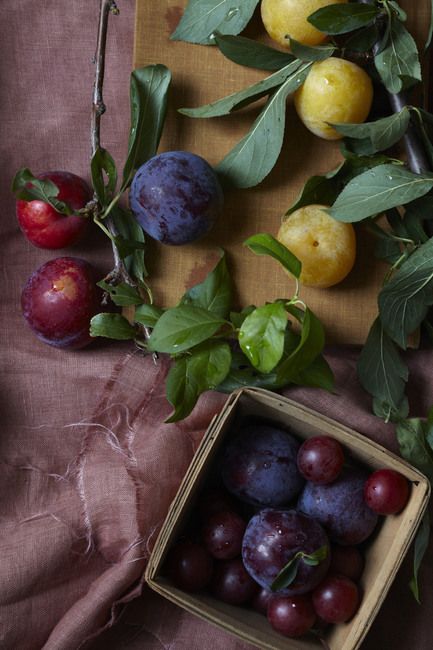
[85, 480]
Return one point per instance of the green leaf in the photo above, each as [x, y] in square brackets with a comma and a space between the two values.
[382, 372]
[415, 215]
[405, 299]
[314, 559]
[131, 246]
[318, 189]
[325, 189]
[396, 222]
[238, 317]
[363, 40]
[309, 347]
[121, 294]
[214, 293]
[430, 29]
[383, 411]
[398, 63]
[413, 445]
[310, 52]
[181, 389]
[399, 12]
[111, 326]
[420, 548]
[203, 369]
[183, 327]
[288, 573]
[242, 374]
[377, 190]
[251, 53]
[27, 187]
[425, 126]
[149, 89]
[126, 247]
[261, 336]
[343, 18]
[254, 156]
[265, 244]
[203, 18]
[147, 315]
[382, 133]
[317, 375]
[102, 162]
[387, 249]
[243, 97]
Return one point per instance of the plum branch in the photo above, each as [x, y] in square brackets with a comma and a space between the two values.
[415, 151]
[119, 273]
[98, 107]
[107, 7]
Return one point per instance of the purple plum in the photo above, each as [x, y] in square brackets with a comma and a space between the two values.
[340, 507]
[273, 538]
[259, 466]
[176, 197]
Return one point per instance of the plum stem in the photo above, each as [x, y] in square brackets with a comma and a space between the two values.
[119, 273]
[98, 108]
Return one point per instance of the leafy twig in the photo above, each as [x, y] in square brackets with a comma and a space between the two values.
[119, 272]
[416, 156]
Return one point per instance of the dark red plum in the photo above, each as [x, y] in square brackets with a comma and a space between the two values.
[176, 197]
[320, 459]
[59, 300]
[223, 533]
[273, 538]
[232, 584]
[386, 491]
[259, 466]
[340, 507]
[336, 599]
[189, 565]
[43, 226]
[292, 616]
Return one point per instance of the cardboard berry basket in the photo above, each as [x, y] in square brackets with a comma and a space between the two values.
[384, 553]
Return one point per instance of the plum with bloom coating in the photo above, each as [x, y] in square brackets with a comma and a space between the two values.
[259, 465]
[176, 197]
[273, 538]
[340, 507]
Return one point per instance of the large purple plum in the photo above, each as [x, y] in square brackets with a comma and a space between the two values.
[176, 197]
[340, 507]
[273, 538]
[259, 466]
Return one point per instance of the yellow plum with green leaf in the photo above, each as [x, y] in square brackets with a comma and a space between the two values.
[326, 247]
[286, 19]
[336, 91]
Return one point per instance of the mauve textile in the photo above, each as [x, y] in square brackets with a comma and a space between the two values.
[88, 468]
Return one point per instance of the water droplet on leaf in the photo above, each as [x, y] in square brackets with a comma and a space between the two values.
[232, 13]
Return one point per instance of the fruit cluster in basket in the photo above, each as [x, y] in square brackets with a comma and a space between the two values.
[282, 527]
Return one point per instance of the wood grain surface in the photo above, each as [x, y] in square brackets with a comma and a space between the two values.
[200, 75]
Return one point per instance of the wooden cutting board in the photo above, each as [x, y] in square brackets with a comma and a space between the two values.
[200, 75]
